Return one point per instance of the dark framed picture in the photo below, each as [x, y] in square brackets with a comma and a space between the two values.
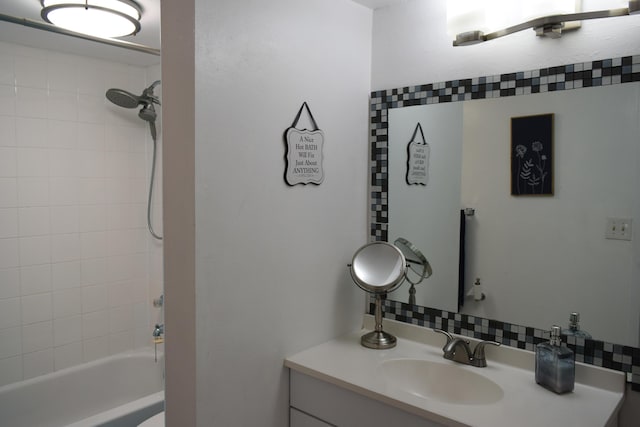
[532, 155]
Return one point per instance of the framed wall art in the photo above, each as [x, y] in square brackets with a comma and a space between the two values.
[532, 155]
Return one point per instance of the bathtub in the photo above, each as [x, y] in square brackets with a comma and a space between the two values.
[117, 391]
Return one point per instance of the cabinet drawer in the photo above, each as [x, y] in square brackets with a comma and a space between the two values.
[300, 419]
[343, 408]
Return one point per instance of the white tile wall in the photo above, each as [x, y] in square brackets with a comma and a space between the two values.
[65, 275]
[9, 313]
[78, 269]
[9, 253]
[67, 355]
[37, 363]
[7, 131]
[7, 99]
[11, 342]
[35, 279]
[8, 161]
[10, 369]
[8, 222]
[9, 283]
[37, 337]
[33, 221]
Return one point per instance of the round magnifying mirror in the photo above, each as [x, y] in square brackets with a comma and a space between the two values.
[378, 267]
[415, 260]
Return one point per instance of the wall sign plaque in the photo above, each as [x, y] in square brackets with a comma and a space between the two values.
[304, 152]
[418, 159]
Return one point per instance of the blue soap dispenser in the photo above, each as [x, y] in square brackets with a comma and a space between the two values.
[555, 364]
[574, 327]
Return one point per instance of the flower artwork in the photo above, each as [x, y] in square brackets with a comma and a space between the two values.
[532, 155]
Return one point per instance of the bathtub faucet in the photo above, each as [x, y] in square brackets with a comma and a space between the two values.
[158, 331]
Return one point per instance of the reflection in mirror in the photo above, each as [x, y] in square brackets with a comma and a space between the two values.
[435, 203]
[378, 268]
[540, 258]
[416, 263]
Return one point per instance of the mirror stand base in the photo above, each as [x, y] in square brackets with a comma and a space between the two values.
[378, 340]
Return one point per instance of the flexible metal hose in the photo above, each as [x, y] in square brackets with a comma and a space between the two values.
[153, 173]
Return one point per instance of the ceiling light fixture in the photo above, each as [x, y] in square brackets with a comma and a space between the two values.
[99, 18]
[550, 25]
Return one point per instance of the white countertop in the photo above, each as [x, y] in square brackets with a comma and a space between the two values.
[344, 362]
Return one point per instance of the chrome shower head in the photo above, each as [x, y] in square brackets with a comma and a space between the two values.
[126, 99]
[122, 98]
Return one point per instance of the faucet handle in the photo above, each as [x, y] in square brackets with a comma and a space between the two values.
[479, 358]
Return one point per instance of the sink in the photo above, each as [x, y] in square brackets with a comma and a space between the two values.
[444, 382]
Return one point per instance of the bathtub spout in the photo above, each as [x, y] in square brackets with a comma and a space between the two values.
[158, 331]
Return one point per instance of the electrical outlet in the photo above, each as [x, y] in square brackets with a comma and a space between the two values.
[618, 228]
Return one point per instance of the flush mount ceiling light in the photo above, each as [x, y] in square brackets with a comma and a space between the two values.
[475, 22]
[99, 18]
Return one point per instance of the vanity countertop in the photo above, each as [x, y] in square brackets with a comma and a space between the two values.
[597, 396]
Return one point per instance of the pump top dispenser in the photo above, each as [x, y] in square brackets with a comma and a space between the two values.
[574, 327]
[555, 364]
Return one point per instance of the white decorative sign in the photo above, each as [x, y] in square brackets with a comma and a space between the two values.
[304, 153]
[418, 159]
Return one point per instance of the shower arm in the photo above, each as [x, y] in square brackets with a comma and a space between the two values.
[147, 94]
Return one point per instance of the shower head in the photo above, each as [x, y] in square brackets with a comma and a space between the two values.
[126, 99]
[122, 98]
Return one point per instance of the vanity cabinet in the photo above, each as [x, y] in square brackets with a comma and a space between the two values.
[300, 419]
[345, 384]
[315, 403]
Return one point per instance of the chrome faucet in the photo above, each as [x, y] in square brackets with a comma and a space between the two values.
[158, 330]
[458, 350]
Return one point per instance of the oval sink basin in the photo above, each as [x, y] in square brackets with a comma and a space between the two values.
[444, 382]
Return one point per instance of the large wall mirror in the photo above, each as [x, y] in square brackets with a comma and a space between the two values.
[539, 258]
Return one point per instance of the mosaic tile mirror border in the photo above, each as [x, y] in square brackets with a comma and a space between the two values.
[565, 77]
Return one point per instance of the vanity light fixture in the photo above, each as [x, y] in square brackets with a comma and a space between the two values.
[99, 18]
[550, 25]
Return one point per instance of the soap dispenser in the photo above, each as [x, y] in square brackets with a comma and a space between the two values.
[574, 327]
[555, 364]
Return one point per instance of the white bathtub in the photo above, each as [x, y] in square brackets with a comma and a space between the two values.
[117, 391]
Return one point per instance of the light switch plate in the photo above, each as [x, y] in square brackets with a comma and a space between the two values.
[619, 228]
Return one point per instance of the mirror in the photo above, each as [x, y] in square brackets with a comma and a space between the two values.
[416, 263]
[539, 257]
[378, 268]
[442, 127]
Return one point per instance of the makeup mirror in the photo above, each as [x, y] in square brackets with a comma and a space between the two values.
[378, 268]
[416, 263]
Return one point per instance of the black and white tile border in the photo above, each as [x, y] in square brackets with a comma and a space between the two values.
[564, 77]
